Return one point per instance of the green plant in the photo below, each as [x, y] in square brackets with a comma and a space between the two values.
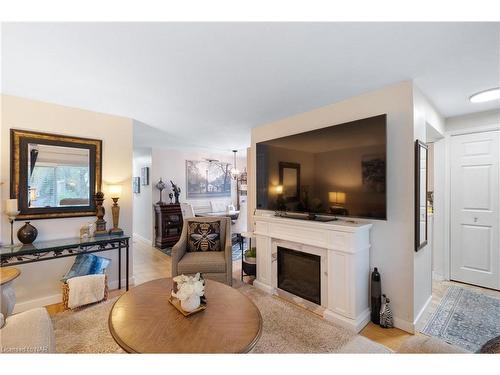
[251, 253]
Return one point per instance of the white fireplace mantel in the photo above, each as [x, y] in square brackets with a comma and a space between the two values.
[344, 247]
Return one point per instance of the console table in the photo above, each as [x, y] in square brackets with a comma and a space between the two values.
[54, 249]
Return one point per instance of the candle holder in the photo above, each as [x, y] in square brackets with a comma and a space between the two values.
[115, 191]
[100, 223]
[12, 217]
[11, 210]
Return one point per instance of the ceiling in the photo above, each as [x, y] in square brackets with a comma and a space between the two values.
[208, 84]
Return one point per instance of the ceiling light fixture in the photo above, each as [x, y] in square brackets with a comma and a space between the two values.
[486, 95]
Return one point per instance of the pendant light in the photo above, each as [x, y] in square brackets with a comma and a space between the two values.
[234, 171]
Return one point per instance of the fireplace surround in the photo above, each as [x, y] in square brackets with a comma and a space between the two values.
[342, 249]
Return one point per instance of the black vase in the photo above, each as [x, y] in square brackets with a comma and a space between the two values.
[27, 233]
[376, 296]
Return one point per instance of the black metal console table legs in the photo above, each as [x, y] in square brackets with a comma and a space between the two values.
[120, 264]
[47, 250]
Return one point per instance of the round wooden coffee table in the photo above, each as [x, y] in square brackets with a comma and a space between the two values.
[143, 321]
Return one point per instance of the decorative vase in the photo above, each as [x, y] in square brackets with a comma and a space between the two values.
[191, 303]
[376, 296]
[27, 233]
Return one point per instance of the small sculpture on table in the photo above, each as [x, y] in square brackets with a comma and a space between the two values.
[100, 223]
[177, 192]
[160, 186]
[170, 195]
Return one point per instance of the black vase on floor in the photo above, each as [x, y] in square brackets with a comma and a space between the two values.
[27, 233]
[376, 296]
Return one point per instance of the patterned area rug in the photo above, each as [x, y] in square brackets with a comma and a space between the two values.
[465, 318]
[286, 329]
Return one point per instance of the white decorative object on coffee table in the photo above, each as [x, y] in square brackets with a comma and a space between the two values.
[189, 291]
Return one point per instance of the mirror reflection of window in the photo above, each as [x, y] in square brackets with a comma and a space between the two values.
[58, 176]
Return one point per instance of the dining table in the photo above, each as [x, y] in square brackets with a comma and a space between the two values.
[233, 214]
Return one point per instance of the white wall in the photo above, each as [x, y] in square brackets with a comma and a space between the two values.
[438, 241]
[170, 164]
[143, 201]
[392, 240]
[474, 120]
[425, 116]
[39, 283]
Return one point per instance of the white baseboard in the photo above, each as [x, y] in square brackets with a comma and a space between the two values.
[38, 302]
[142, 239]
[112, 285]
[57, 298]
[404, 325]
[354, 325]
[419, 315]
[264, 287]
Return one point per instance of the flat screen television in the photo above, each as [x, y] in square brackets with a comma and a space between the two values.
[339, 170]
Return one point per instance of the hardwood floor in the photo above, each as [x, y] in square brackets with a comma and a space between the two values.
[150, 263]
[390, 337]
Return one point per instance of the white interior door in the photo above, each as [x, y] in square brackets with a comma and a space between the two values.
[475, 190]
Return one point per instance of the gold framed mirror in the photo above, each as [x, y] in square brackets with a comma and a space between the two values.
[54, 176]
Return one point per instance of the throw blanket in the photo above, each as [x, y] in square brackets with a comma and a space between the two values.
[85, 289]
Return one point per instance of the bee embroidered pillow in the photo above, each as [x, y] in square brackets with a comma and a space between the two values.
[204, 236]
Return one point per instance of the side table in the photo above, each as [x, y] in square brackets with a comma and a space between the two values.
[247, 269]
[8, 296]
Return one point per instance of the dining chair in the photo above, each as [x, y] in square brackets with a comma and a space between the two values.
[187, 210]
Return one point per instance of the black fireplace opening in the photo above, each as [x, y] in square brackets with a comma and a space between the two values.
[300, 274]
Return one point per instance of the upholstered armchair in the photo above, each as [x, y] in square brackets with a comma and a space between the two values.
[215, 265]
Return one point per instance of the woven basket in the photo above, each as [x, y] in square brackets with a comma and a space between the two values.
[65, 292]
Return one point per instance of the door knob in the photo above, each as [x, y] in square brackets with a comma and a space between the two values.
[476, 219]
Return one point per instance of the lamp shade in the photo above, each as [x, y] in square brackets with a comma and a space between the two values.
[337, 197]
[279, 189]
[115, 191]
[11, 206]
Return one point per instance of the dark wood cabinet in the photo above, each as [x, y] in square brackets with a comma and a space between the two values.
[168, 224]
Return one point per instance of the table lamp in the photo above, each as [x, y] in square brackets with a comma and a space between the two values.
[280, 201]
[115, 191]
[11, 210]
[337, 198]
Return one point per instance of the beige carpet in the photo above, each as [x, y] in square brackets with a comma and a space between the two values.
[286, 329]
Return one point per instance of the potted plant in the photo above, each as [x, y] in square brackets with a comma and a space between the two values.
[249, 261]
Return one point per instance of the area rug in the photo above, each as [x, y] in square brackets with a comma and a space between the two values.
[287, 328]
[465, 318]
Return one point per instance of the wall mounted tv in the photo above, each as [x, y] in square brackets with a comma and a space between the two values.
[339, 170]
